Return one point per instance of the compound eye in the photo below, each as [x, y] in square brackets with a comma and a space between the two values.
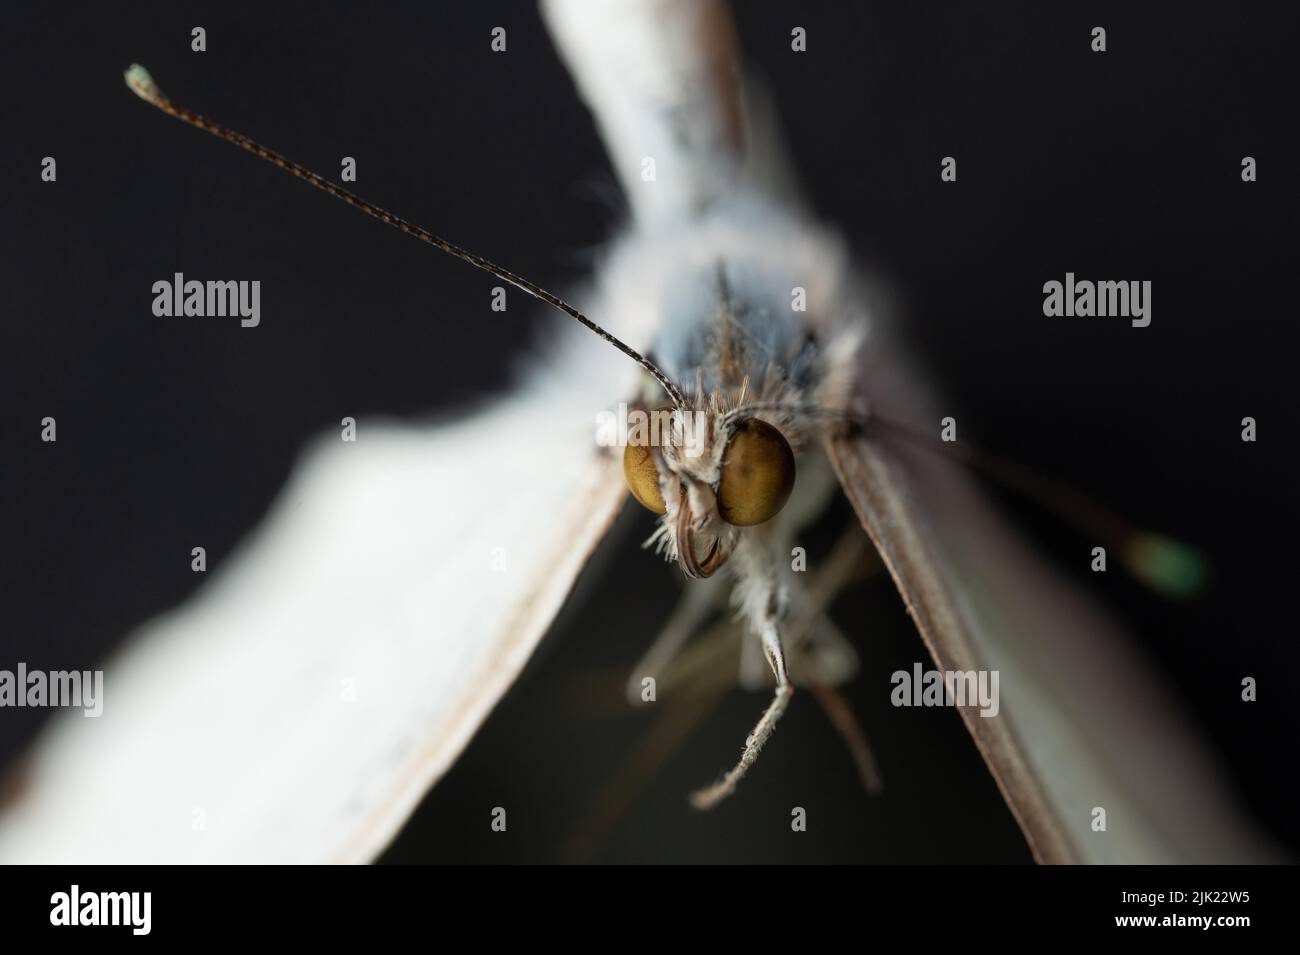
[642, 476]
[757, 474]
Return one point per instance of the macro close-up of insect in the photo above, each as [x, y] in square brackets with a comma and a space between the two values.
[881, 381]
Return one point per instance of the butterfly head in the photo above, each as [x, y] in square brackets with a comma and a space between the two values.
[711, 475]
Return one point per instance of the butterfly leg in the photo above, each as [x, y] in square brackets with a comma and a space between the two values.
[710, 796]
[821, 657]
[837, 709]
[698, 603]
[754, 672]
[825, 658]
[761, 603]
[700, 677]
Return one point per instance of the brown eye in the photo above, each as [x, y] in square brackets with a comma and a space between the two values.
[757, 474]
[642, 476]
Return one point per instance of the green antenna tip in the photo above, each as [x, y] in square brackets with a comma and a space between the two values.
[141, 83]
[1165, 565]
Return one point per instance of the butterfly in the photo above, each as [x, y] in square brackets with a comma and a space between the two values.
[302, 704]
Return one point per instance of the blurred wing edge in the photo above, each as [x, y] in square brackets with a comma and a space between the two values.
[1083, 722]
[373, 567]
[531, 621]
[872, 487]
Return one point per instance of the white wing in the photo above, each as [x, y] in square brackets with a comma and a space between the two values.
[300, 705]
[661, 78]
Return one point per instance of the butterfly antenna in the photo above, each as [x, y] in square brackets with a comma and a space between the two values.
[142, 84]
[1166, 565]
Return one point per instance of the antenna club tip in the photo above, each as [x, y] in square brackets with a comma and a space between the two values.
[141, 83]
[1166, 565]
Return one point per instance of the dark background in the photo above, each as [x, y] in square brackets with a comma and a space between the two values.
[1118, 165]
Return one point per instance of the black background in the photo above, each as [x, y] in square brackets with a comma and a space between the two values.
[171, 432]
